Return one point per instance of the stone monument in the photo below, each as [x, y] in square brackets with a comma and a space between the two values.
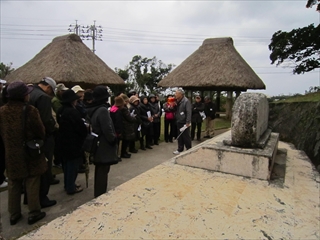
[248, 149]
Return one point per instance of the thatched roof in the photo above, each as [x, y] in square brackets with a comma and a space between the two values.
[216, 65]
[68, 60]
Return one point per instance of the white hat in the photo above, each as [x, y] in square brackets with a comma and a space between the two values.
[50, 81]
[3, 81]
[77, 88]
[61, 87]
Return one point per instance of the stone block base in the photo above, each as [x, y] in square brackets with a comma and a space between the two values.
[214, 155]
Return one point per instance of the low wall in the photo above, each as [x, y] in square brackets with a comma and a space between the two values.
[298, 123]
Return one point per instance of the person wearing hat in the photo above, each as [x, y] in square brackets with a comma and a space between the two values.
[132, 92]
[56, 100]
[56, 104]
[147, 121]
[80, 106]
[156, 118]
[72, 132]
[40, 98]
[170, 108]
[19, 167]
[135, 111]
[106, 153]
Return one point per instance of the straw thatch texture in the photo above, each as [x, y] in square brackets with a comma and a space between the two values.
[68, 60]
[216, 65]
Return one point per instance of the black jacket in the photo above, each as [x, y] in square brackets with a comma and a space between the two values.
[42, 101]
[72, 132]
[196, 109]
[210, 110]
[103, 126]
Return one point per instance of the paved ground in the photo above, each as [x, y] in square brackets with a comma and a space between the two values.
[119, 174]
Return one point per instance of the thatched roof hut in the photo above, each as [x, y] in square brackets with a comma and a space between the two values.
[216, 66]
[68, 60]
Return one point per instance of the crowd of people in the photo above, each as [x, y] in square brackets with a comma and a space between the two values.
[63, 117]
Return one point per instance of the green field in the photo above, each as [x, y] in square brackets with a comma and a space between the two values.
[311, 97]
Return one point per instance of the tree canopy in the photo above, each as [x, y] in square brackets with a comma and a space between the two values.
[5, 69]
[310, 3]
[299, 48]
[143, 74]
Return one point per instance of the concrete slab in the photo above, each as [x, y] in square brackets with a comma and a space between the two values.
[215, 155]
[173, 201]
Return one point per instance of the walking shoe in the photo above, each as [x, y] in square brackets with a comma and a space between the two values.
[48, 203]
[4, 184]
[206, 136]
[133, 150]
[149, 147]
[176, 152]
[54, 181]
[125, 155]
[14, 220]
[36, 218]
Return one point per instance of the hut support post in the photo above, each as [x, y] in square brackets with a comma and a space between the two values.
[218, 102]
[229, 105]
[238, 94]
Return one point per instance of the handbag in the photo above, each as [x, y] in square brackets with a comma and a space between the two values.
[91, 143]
[32, 147]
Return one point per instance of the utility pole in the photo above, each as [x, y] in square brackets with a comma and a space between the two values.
[89, 32]
[75, 29]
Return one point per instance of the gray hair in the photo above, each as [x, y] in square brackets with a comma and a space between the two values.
[180, 90]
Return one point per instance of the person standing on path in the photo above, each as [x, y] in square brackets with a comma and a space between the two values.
[183, 118]
[106, 153]
[196, 118]
[15, 130]
[210, 111]
[41, 98]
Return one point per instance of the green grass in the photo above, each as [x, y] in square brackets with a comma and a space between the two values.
[222, 122]
[311, 97]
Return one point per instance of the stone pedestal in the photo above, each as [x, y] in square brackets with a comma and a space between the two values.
[216, 156]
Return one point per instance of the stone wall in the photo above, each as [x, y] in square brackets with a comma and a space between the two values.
[298, 123]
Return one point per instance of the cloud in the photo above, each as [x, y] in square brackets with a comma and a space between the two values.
[169, 30]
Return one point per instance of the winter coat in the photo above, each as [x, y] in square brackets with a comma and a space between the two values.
[156, 110]
[197, 107]
[146, 126]
[102, 125]
[128, 121]
[18, 164]
[210, 110]
[116, 116]
[138, 122]
[42, 101]
[169, 111]
[72, 132]
[184, 110]
[56, 104]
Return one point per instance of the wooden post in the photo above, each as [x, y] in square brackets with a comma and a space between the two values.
[218, 101]
[229, 104]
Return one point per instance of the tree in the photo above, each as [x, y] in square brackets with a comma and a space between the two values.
[310, 3]
[299, 48]
[143, 74]
[5, 69]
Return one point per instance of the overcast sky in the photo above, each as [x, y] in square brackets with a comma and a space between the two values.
[169, 30]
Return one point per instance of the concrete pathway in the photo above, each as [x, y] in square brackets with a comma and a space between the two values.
[119, 174]
[171, 201]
